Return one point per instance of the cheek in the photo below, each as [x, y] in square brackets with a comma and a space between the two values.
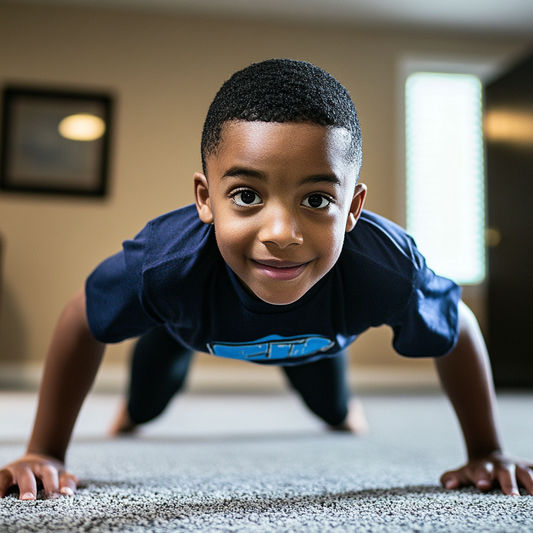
[232, 239]
[334, 238]
[331, 243]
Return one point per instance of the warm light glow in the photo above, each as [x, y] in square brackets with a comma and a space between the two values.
[510, 126]
[82, 127]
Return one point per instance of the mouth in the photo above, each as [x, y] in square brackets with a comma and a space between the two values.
[280, 270]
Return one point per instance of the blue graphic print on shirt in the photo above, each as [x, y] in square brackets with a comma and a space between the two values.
[272, 347]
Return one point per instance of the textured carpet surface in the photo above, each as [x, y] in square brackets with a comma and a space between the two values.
[287, 478]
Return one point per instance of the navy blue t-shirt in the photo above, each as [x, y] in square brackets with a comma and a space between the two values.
[172, 274]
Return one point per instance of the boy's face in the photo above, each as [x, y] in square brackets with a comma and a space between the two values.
[281, 197]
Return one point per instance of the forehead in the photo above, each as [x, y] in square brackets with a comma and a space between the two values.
[304, 146]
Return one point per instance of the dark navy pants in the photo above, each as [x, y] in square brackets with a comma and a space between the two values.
[159, 368]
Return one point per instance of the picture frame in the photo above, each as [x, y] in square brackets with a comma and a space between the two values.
[55, 141]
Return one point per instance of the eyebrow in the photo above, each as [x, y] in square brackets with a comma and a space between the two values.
[234, 172]
[321, 178]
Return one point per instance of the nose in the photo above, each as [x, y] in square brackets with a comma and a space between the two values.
[280, 226]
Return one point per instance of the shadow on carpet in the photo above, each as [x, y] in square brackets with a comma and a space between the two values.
[298, 482]
[163, 506]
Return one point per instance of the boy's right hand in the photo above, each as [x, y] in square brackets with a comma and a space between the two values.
[33, 467]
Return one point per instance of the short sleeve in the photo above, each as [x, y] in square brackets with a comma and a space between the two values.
[429, 324]
[114, 305]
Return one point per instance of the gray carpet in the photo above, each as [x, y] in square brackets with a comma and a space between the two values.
[287, 477]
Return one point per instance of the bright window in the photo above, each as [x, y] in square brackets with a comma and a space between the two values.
[444, 167]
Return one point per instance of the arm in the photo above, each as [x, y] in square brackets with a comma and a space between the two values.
[71, 365]
[466, 377]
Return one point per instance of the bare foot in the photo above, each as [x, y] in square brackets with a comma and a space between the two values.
[355, 421]
[122, 425]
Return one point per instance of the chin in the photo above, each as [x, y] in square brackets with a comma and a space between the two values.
[281, 300]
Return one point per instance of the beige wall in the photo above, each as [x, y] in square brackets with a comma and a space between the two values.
[164, 71]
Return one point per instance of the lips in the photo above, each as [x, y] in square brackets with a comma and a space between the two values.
[279, 270]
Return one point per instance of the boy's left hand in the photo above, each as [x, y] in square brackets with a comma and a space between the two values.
[490, 471]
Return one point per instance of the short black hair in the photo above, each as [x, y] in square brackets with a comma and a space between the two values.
[282, 90]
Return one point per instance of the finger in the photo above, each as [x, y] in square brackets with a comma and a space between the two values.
[450, 481]
[67, 483]
[507, 480]
[454, 479]
[6, 481]
[524, 476]
[50, 479]
[483, 477]
[25, 479]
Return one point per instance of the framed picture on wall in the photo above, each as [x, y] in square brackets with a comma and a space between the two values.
[55, 141]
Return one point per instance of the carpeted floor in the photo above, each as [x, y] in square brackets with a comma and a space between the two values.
[263, 464]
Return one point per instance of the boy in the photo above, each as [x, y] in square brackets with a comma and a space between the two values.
[277, 264]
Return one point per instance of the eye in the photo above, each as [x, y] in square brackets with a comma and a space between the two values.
[245, 197]
[317, 201]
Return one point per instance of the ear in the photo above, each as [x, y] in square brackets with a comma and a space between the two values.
[203, 202]
[356, 206]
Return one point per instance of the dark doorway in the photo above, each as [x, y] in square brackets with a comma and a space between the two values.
[509, 157]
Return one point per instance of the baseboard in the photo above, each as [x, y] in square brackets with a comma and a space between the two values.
[362, 379]
[110, 378]
[245, 379]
